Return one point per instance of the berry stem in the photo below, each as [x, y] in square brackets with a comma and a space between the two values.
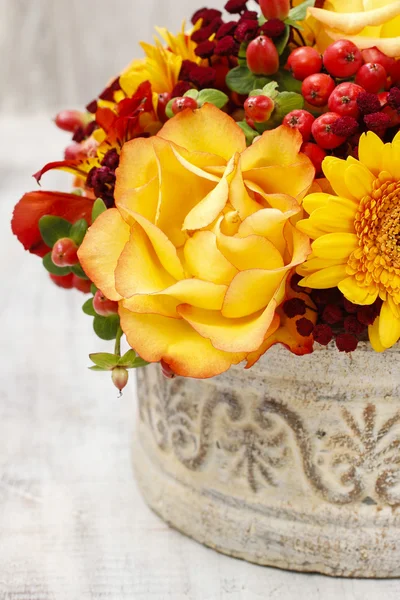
[117, 350]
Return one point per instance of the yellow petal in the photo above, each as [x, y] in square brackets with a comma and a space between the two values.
[355, 22]
[205, 261]
[389, 326]
[335, 245]
[251, 291]
[151, 304]
[269, 223]
[370, 150]
[206, 211]
[239, 197]
[280, 146]
[196, 292]
[325, 278]
[165, 250]
[359, 180]
[355, 293]
[157, 338]
[205, 130]
[294, 180]
[142, 200]
[139, 270]
[373, 332]
[137, 165]
[335, 170]
[238, 335]
[251, 252]
[101, 249]
[316, 264]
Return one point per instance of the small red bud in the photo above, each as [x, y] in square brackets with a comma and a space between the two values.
[275, 9]
[166, 370]
[179, 104]
[70, 120]
[83, 285]
[120, 378]
[63, 281]
[262, 56]
[64, 253]
[103, 306]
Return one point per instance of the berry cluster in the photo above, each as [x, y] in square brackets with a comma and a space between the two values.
[369, 99]
[337, 318]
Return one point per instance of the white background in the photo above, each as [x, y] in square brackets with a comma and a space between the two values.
[72, 523]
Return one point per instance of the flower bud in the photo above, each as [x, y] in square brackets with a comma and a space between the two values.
[275, 9]
[103, 306]
[65, 253]
[70, 120]
[166, 370]
[120, 378]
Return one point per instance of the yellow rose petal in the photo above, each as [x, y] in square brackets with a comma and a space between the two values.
[101, 249]
[151, 304]
[250, 291]
[350, 23]
[202, 294]
[188, 354]
[205, 261]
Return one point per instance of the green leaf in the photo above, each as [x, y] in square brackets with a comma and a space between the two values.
[98, 208]
[299, 13]
[139, 362]
[106, 327]
[287, 82]
[282, 40]
[284, 104]
[78, 192]
[128, 359]
[53, 229]
[219, 99]
[271, 90]
[53, 269]
[97, 369]
[88, 308]
[243, 81]
[78, 231]
[192, 94]
[93, 289]
[105, 360]
[168, 109]
[242, 59]
[294, 24]
[79, 272]
[248, 132]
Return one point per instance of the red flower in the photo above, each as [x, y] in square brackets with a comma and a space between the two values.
[34, 205]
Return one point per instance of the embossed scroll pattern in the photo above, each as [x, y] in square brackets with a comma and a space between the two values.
[353, 457]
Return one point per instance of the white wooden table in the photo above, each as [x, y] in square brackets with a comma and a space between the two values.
[72, 523]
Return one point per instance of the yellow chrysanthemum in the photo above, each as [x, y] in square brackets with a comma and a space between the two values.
[357, 233]
[367, 23]
[161, 65]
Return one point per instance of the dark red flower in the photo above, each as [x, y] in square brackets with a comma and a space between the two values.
[367, 314]
[111, 159]
[323, 334]
[235, 6]
[180, 89]
[349, 307]
[273, 28]
[345, 127]
[294, 307]
[304, 327]
[377, 121]
[346, 342]
[393, 98]
[353, 325]
[294, 283]
[207, 14]
[226, 29]
[227, 46]
[246, 31]
[92, 107]
[249, 14]
[205, 49]
[368, 103]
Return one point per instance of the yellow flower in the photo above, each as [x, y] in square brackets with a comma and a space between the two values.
[357, 233]
[161, 66]
[199, 247]
[367, 23]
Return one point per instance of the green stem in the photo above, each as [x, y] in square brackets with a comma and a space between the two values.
[117, 350]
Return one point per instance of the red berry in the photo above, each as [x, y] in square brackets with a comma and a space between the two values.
[374, 55]
[395, 73]
[301, 120]
[259, 108]
[304, 61]
[275, 9]
[65, 281]
[317, 88]
[70, 120]
[315, 154]
[343, 100]
[163, 100]
[372, 77]
[64, 253]
[83, 285]
[180, 104]
[342, 59]
[250, 123]
[103, 306]
[262, 56]
[322, 131]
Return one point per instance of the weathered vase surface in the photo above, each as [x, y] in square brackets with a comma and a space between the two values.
[294, 463]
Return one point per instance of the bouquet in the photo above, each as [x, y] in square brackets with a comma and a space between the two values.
[236, 188]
